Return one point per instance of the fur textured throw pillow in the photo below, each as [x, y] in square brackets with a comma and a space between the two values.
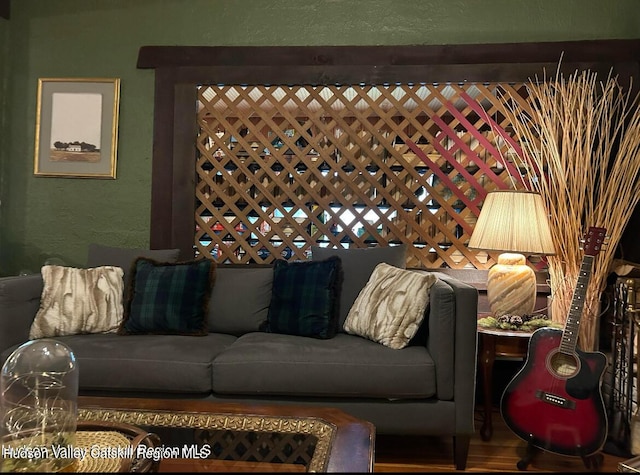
[391, 306]
[76, 301]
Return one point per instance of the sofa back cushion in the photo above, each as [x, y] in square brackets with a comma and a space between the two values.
[240, 299]
[100, 255]
[357, 266]
[19, 303]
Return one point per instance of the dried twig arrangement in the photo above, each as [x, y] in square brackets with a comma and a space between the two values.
[581, 150]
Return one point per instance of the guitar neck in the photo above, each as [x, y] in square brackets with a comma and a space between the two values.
[570, 333]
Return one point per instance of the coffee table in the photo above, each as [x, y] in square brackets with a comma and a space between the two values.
[201, 435]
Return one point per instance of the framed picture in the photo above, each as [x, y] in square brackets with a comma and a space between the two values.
[77, 127]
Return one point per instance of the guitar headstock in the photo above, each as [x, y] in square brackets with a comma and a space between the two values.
[594, 240]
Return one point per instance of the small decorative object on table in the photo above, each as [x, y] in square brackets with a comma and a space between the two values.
[113, 447]
[39, 389]
[39, 428]
[525, 323]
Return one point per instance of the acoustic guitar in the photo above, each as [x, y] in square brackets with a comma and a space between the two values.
[555, 402]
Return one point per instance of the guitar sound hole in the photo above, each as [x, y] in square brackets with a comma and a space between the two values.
[563, 365]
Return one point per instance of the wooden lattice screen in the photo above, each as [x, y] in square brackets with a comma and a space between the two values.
[281, 168]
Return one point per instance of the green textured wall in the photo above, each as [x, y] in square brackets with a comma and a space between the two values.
[4, 144]
[57, 217]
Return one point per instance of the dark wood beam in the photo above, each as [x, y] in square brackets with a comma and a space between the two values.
[5, 8]
[398, 56]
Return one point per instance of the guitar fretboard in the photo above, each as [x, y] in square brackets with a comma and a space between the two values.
[570, 334]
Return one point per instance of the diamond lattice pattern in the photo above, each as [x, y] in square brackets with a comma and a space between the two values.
[281, 168]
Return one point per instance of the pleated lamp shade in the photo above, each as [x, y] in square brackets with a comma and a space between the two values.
[515, 223]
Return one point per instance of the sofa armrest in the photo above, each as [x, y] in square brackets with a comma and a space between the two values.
[441, 336]
[452, 342]
[19, 303]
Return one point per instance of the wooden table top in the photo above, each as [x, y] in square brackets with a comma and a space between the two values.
[499, 332]
[350, 441]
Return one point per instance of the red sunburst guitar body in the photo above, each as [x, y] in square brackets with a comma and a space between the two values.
[555, 401]
[555, 412]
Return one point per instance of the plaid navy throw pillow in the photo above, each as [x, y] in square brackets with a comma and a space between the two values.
[169, 298]
[305, 298]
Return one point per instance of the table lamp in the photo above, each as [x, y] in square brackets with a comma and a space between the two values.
[515, 223]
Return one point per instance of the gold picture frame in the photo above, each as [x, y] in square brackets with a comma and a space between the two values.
[77, 127]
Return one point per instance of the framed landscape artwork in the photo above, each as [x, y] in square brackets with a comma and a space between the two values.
[77, 127]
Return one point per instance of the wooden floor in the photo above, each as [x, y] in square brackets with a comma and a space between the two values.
[500, 454]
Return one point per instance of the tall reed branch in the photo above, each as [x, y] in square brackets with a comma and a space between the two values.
[583, 136]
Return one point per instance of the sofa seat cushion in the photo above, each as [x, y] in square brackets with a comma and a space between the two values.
[150, 363]
[343, 366]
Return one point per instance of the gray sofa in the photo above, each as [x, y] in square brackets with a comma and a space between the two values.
[426, 388]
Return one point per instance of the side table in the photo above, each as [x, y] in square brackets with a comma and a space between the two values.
[496, 343]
